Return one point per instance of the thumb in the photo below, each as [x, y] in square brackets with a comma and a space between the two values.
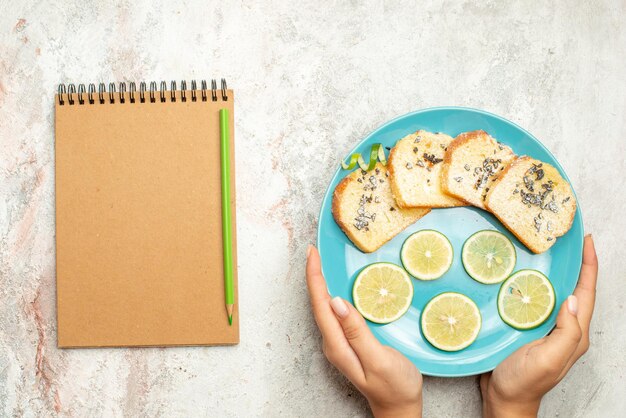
[361, 339]
[561, 344]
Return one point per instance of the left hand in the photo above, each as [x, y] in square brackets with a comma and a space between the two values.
[389, 381]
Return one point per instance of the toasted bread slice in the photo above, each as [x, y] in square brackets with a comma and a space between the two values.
[365, 210]
[471, 164]
[534, 202]
[415, 171]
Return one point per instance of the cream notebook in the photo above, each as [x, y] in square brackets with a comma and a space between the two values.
[138, 215]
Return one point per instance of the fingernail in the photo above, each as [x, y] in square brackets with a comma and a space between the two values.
[339, 306]
[308, 250]
[588, 235]
[572, 304]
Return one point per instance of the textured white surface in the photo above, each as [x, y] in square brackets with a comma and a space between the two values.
[310, 81]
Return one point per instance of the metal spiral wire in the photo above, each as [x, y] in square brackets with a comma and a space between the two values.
[91, 92]
[70, 95]
[122, 92]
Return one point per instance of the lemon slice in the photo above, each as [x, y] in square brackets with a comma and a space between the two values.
[382, 292]
[427, 254]
[451, 321]
[526, 299]
[488, 257]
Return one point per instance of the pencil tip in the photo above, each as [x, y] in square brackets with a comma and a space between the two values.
[230, 319]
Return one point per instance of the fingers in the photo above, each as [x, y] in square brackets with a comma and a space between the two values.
[361, 339]
[585, 292]
[555, 353]
[318, 293]
[586, 289]
[336, 346]
[320, 299]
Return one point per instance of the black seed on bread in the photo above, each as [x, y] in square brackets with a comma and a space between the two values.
[366, 211]
[472, 163]
[415, 164]
[534, 202]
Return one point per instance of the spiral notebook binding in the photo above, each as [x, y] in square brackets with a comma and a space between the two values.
[126, 92]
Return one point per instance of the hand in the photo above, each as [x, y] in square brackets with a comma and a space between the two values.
[516, 386]
[389, 381]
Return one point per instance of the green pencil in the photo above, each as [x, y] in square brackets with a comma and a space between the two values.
[229, 296]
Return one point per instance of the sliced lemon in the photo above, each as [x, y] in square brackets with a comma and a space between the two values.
[382, 292]
[451, 321]
[427, 254]
[526, 299]
[488, 257]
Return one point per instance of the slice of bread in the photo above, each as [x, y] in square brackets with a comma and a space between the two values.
[471, 164]
[534, 202]
[365, 210]
[415, 164]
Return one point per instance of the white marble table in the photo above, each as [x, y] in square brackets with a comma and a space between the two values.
[310, 81]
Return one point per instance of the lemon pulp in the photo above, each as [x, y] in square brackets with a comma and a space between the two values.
[526, 299]
[451, 321]
[488, 257]
[382, 292]
[427, 254]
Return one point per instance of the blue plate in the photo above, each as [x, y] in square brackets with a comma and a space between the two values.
[341, 260]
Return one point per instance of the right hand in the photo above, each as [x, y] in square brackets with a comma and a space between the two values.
[516, 386]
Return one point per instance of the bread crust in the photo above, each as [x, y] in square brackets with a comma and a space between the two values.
[338, 215]
[458, 142]
[392, 172]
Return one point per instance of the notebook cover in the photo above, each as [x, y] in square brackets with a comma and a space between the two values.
[138, 223]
